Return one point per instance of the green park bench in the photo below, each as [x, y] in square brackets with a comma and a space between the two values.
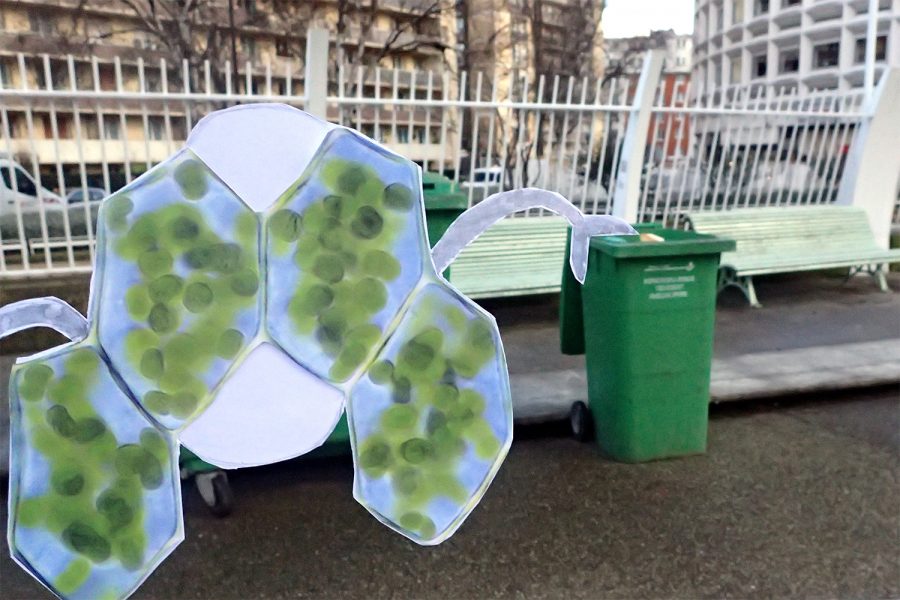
[792, 239]
[515, 257]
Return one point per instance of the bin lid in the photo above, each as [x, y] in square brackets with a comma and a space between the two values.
[677, 242]
[440, 192]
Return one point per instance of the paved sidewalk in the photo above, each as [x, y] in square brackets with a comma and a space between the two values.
[814, 333]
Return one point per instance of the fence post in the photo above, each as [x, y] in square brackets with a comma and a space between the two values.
[316, 84]
[627, 194]
[873, 165]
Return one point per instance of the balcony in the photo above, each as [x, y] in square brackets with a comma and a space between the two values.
[823, 78]
[822, 10]
[789, 16]
[856, 74]
[66, 151]
[57, 46]
[862, 6]
[758, 24]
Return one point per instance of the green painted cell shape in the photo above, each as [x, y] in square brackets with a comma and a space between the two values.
[223, 281]
[343, 244]
[422, 437]
[95, 501]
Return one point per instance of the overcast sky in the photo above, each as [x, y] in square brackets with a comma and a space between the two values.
[625, 18]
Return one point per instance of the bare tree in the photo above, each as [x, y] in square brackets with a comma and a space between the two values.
[541, 38]
[195, 31]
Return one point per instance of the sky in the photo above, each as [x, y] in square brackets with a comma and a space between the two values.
[626, 18]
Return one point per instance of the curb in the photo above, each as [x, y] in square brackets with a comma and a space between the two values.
[547, 396]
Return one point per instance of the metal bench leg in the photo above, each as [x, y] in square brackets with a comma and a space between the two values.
[878, 273]
[853, 272]
[727, 277]
[750, 291]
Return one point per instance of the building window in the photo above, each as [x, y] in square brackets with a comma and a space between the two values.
[41, 23]
[760, 64]
[403, 135]
[880, 49]
[736, 70]
[5, 77]
[156, 128]
[282, 47]
[248, 44]
[790, 61]
[737, 12]
[152, 81]
[826, 55]
[789, 3]
[760, 7]
[111, 128]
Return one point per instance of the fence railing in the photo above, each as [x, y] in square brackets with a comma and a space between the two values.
[64, 139]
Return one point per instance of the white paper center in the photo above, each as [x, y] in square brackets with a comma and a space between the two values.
[258, 150]
[269, 410]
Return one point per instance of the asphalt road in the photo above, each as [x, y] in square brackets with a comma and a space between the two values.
[798, 500]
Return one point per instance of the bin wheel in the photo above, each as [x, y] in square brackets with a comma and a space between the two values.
[216, 492]
[582, 422]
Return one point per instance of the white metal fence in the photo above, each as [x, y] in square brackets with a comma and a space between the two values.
[69, 126]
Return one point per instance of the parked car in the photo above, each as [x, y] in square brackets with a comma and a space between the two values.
[94, 194]
[686, 181]
[484, 178]
[18, 187]
[780, 177]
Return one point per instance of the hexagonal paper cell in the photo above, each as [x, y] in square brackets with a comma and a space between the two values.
[95, 495]
[176, 289]
[431, 420]
[345, 246]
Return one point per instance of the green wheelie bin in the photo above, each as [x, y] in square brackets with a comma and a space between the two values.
[443, 204]
[644, 321]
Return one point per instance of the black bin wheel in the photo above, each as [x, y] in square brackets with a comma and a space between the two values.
[216, 492]
[582, 422]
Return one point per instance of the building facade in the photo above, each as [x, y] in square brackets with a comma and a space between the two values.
[100, 45]
[795, 45]
[515, 39]
[626, 55]
[669, 134]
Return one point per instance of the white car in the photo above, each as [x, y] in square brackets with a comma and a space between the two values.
[94, 194]
[486, 178]
[18, 187]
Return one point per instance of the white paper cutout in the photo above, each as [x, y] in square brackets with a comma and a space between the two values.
[430, 417]
[43, 312]
[480, 217]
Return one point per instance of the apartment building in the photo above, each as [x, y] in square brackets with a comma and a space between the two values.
[548, 50]
[624, 57]
[507, 40]
[627, 54]
[101, 46]
[799, 45]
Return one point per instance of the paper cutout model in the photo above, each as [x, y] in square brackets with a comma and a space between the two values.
[240, 320]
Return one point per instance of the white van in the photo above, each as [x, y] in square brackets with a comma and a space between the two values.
[24, 192]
